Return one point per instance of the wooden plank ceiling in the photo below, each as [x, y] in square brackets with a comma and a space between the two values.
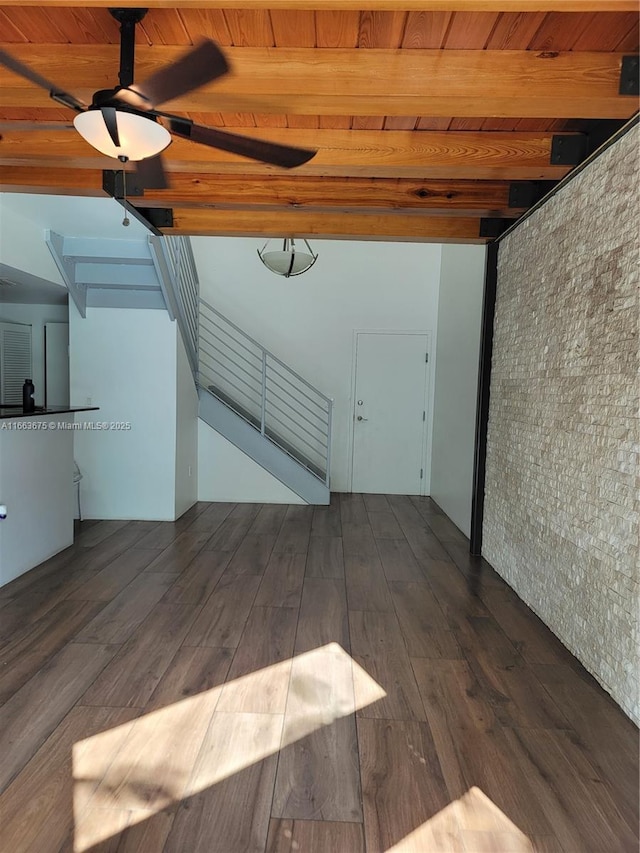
[425, 114]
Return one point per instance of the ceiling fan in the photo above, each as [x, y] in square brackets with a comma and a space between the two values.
[123, 122]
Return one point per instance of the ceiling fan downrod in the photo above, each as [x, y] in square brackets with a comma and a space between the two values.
[127, 18]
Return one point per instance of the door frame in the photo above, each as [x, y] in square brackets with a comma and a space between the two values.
[427, 437]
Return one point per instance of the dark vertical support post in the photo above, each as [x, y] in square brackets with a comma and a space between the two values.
[482, 412]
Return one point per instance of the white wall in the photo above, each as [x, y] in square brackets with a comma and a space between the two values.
[125, 362]
[227, 474]
[36, 473]
[186, 492]
[22, 242]
[309, 321]
[456, 380]
[36, 316]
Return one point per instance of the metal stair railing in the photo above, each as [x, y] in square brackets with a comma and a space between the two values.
[176, 268]
[263, 390]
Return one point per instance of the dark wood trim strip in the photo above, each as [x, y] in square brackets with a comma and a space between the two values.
[482, 410]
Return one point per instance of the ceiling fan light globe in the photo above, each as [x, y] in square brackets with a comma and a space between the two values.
[140, 137]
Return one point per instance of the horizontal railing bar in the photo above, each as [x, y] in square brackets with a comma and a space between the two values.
[319, 417]
[298, 390]
[312, 449]
[240, 379]
[298, 437]
[220, 366]
[236, 356]
[271, 396]
[319, 447]
[222, 330]
[269, 354]
[317, 443]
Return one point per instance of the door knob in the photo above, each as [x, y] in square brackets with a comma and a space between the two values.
[360, 418]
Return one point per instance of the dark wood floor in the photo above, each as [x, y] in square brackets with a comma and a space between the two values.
[288, 679]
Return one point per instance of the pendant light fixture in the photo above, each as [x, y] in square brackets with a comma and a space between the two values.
[288, 260]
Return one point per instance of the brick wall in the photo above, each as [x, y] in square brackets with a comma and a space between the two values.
[562, 505]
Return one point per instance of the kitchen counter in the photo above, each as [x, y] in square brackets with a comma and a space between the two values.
[16, 411]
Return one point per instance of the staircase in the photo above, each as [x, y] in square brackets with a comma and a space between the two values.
[245, 392]
[263, 407]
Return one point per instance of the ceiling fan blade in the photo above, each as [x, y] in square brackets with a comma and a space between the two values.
[151, 173]
[256, 149]
[204, 63]
[55, 92]
[111, 122]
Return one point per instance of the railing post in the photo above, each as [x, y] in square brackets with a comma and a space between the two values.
[329, 423]
[263, 411]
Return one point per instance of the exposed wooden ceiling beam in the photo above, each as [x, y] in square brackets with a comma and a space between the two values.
[382, 226]
[363, 5]
[286, 193]
[308, 81]
[451, 155]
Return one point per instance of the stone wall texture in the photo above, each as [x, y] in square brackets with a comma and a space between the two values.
[562, 501]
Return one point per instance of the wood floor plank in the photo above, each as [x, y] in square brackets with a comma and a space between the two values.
[510, 686]
[153, 767]
[258, 680]
[523, 628]
[36, 809]
[98, 533]
[319, 836]
[376, 503]
[425, 546]
[231, 787]
[367, 587]
[358, 541]
[471, 746]
[193, 670]
[177, 556]
[318, 774]
[223, 616]
[606, 736]
[376, 634]
[326, 521]
[579, 807]
[422, 622]
[35, 644]
[165, 532]
[405, 511]
[212, 517]
[134, 673]
[395, 676]
[111, 580]
[402, 782]
[246, 512]
[281, 584]
[325, 558]
[456, 597]
[269, 520]
[119, 619]
[294, 535]
[323, 615]
[31, 715]
[229, 535]
[352, 509]
[252, 555]
[199, 579]
[384, 525]
[398, 561]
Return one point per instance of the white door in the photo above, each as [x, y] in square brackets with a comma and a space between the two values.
[56, 353]
[390, 412]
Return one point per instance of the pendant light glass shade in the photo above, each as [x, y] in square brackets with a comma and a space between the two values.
[140, 137]
[288, 260]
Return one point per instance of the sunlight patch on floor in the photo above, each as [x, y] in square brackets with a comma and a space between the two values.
[472, 822]
[188, 746]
